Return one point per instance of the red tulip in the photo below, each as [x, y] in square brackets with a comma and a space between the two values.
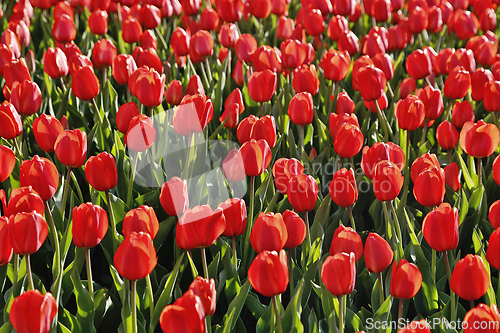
[78, 61]
[205, 290]
[471, 268]
[421, 326]
[257, 128]
[491, 96]
[7, 162]
[348, 42]
[313, 22]
[186, 314]
[268, 273]
[447, 135]
[407, 87]
[496, 171]
[140, 134]
[142, 219]
[457, 84]
[147, 85]
[336, 27]
[464, 24]
[378, 253]
[12, 125]
[343, 188]
[26, 97]
[64, 30]
[41, 174]
[433, 102]
[256, 156]
[228, 35]
[132, 31]
[478, 82]
[262, 85]
[266, 57]
[135, 258]
[85, 84]
[230, 10]
[285, 28]
[347, 240]
[199, 227]
[303, 193]
[493, 248]
[293, 53]
[101, 172]
[338, 273]
[125, 114]
[285, 169]
[301, 109]
[202, 44]
[418, 64]
[174, 93]
[372, 83]
[123, 67]
[381, 151]
[479, 139]
[71, 148]
[235, 213]
[452, 176]
[98, 22]
[150, 16]
[55, 63]
[335, 65]
[90, 224]
[16, 71]
[174, 196]
[296, 229]
[482, 319]
[348, 140]
[193, 114]
[345, 104]
[461, 113]
[429, 187]
[305, 79]
[406, 280]
[27, 231]
[269, 233]
[195, 86]
[33, 312]
[244, 47]
[387, 181]
[440, 228]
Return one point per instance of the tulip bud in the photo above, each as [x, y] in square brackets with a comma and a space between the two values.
[256, 156]
[26, 97]
[268, 273]
[269, 233]
[338, 273]
[186, 314]
[406, 280]
[343, 188]
[5, 243]
[480, 139]
[303, 193]
[142, 219]
[90, 224]
[27, 231]
[140, 134]
[85, 84]
[33, 312]
[378, 253]
[100, 171]
[71, 148]
[199, 227]
[7, 162]
[12, 125]
[135, 258]
[98, 22]
[470, 268]
[41, 174]
[387, 181]
[347, 240]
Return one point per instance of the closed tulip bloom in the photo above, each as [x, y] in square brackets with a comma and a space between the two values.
[256, 156]
[16, 71]
[90, 224]
[440, 228]
[301, 109]
[98, 22]
[7, 162]
[141, 219]
[433, 102]
[230, 10]
[426, 161]
[429, 188]
[33, 312]
[199, 227]
[64, 30]
[479, 80]
[132, 30]
[479, 139]
[135, 258]
[257, 128]
[496, 171]
[285, 28]
[12, 125]
[26, 97]
[470, 279]
[421, 326]
[381, 151]
[205, 290]
[285, 169]
[193, 114]
[195, 86]
[174, 196]
[345, 104]
[387, 181]
[418, 64]
[452, 176]
[27, 231]
[336, 65]
[348, 42]
[347, 240]
[406, 280]
[464, 23]
[262, 85]
[269, 233]
[55, 63]
[410, 113]
[293, 53]
[266, 57]
[22, 200]
[493, 248]
[101, 172]
[482, 319]
[372, 83]
[85, 84]
[314, 22]
[407, 87]
[338, 273]
[244, 47]
[491, 96]
[343, 188]
[457, 84]
[305, 79]
[125, 114]
[140, 134]
[174, 93]
[202, 44]
[180, 42]
[296, 229]
[235, 213]
[5, 243]
[447, 135]
[150, 16]
[148, 86]
[268, 273]
[78, 61]
[384, 62]
[233, 166]
[463, 57]
[348, 140]
[186, 314]
[336, 27]
[303, 193]
[123, 66]
[378, 253]
[41, 174]
[71, 148]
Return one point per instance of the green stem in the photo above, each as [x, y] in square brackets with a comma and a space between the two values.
[353, 225]
[57, 253]
[328, 101]
[190, 141]
[30, 275]
[433, 265]
[396, 220]
[471, 302]
[65, 192]
[90, 282]
[204, 74]
[381, 288]
[94, 103]
[112, 221]
[335, 97]
[15, 277]
[151, 303]
[131, 180]
[290, 272]
[452, 293]
[301, 129]
[235, 258]
[246, 240]
[133, 306]
[277, 313]
[480, 173]
[407, 162]
[424, 133]
[382, 122]
[388, 233]
[400, 310]
[19, 153]
[204, 261]
[306, 220]
[341, 314]
[209, 71]
[63, 85]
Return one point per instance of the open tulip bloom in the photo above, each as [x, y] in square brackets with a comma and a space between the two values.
[249, 165]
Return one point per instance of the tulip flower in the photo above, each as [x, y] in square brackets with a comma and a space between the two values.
[132, 30]
[7, 162]
[64, 30]
[233, 166]
[496, 170]
[235, 213]
[125, 114]
[256, 156]
[41, 174]
[150, 16]
[98, 22]
[174, 93]
[418, 64]
[78, 61]
[140, 134]
[85, 84]
[348, 140]
[447, 135]
[348, 42]
[302, 193]
[387, 181]
[346, 239]
[285, 169]
[205, 290]
[343, 188]
[16, 71]
[440, 228]
[462, 112]
[421, 326]
[257, 128]
[296, 229]
[46, 129]
[479, 139]
[372, 83]
[101, 172]
[266, 57]
[457, 84]
[135, 258]
[406, 280]
[148, 86]
[142, 219]
[185, 314]
[230, 10]
[71, 148]
[193, 114]
[410, 113]
[27, 231]
[174, 196]
[493, 248]
[381, 151]
[452, 176]
[423, 162]
[269, 233]
[378, 253]
[33, 312]
[294, 53]
[6, 245]
[338, 273]
[12, 125]
[228, 35]
[26, 97]
[268, 273]
[22, 200]
[336, 65]
[284, 28]
[301, 109]
[244, 47]
[202, 44]
[482, 319]
[305, 79]
[479, 80]
[55, 63]
[470, 280]
[199, 227]
[123, 67]
[90, 224]
[429, 187]
[491, 96]
[262, 85]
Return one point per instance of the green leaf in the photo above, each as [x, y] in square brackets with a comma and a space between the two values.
[119, 283]
[166, 295]
[476, 199]
[291, 320]
[6, 328]
[85, 312]
[465, 172]
[234, 309]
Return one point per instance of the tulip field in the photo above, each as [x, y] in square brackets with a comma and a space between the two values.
[216, 166]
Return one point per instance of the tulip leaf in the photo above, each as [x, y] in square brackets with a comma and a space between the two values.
[464, 208]
[465, 171]
[291, 145]
[322, 215]
[163, 231]
[85, 312]
[353, 322]
[6, 328]
[476, 199]
[266, 321]
[166, 294]
[69, 321]
[291, 320]
[234, 309]
[309, 135]
[478, 241]
[312, 320]
[119, 283]
[254, 305]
